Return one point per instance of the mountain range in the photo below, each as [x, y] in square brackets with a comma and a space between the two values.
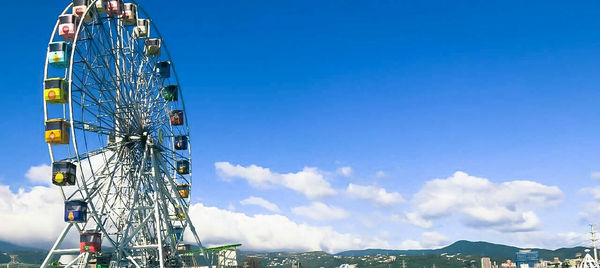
[478, 248]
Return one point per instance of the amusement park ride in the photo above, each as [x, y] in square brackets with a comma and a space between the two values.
[118, 139]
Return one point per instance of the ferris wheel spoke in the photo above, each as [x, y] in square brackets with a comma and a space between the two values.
[107, 53]
[96, 77]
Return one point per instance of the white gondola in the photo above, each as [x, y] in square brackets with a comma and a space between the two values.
[142, 28]
[101, 6]
[130, 14]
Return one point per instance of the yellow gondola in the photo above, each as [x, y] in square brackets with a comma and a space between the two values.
[153, 47]
[183, 190]
[57, 131]
[55, 90]
[183, 167]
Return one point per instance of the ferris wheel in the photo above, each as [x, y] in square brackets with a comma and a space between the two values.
[118, 138]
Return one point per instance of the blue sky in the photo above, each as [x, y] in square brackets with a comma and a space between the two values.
[502, 90]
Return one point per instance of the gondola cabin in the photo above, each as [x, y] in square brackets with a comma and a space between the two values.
[59, 54]
[80, 7]
[90, 241]
[183, 190]
[103, 260]
[101, 6]
[142, 28]
[183, 167]
[130, 14]
[153, 47]
[179, 214]
[170, 93]
[181, 142]
[114, 7]
[57, 131]
[183, 247]
[75, 211]
[67, 26]
[163, 69]
[63, 173]
[55, 90]
[178, 233]
[176, 117]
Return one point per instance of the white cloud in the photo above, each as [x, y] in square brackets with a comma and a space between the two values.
[310, 181]
[31, 217]
[428, 240]
[505, 207]
[40, 174]
[20, 214]
[252, 200]
[271, 232]
[320, 211]
[595, 175]
[376, 195]
[344, 171]
[417, 220]
[591, 209]
[380, 174]
[549, 240]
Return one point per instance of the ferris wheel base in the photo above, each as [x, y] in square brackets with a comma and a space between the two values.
[80, 259]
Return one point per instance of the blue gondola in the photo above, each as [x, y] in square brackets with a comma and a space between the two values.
[178, 233]
[181, 142]
[75, 211]
[59, 54]
[163, 69]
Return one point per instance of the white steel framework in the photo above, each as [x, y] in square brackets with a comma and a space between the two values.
[122, 141]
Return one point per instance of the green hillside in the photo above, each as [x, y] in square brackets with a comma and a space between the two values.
[464, 247]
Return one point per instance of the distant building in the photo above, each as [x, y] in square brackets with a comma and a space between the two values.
[527, 258]
[296, 264]
[251, 262]
[555, 263]
[508, 264]
[486, 262]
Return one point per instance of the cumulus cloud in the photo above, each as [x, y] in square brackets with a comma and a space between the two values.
[505, 207]
[595, 175]
[344, 171]
[40, 174]
[320, 211]
[257, 201]
[31, 217]
[271, 232]
[374, 194]
[309, 182]
[21, 211]
[428, 240]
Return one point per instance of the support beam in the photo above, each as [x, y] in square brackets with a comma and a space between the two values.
[56, 244]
